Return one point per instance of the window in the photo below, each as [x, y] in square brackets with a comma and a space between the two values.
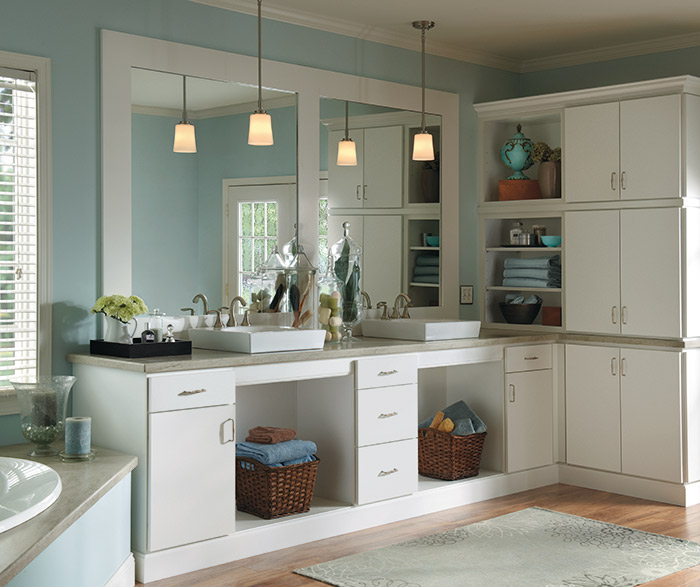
[257, 237]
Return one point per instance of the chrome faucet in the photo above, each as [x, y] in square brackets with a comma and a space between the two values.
[204, 300]
[383, 306]
[232, 313]
[218, 324]
[190, 310]
[366, 300]
[395, 311]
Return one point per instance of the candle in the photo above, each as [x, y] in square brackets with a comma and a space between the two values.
[78, 435]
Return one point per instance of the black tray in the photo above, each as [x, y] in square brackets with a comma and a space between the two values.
[139, 349]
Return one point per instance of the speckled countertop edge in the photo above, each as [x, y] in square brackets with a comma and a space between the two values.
[83, 485]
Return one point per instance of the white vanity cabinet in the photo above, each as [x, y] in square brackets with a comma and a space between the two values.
[386, 399]
[377, 179]
[623, 411]
[608, 154]
[529, 407]
[624, 271]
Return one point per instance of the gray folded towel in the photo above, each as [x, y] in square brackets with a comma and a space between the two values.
[428, 260]
[533, 262]
[465, 420]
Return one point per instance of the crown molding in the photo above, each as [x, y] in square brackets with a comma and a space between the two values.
[243, 108]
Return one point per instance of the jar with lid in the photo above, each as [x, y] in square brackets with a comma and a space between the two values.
[268, 294]
[155, 319]
[330, 303]
[301, 291]
[347, 255]
[515, 230]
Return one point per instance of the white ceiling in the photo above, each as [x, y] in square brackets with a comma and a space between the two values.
[509, 34]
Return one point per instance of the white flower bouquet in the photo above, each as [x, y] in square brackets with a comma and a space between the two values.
[121, 308]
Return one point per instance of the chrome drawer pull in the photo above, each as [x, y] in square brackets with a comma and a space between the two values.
[222, 435]
[383, 373]
[613, 175]
[192, 392]
[531, 358]
[385, 473]
[389, 415]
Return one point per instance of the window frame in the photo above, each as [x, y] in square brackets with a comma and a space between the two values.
[41, 66]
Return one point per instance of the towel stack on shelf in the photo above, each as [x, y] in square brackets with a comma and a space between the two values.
[427, 268]
[532, 272]
[272, 448]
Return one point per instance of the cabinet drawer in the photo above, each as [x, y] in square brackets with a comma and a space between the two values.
[387, 470]
[529, 357]
[387, 414]
[385, 371]
[191, 389]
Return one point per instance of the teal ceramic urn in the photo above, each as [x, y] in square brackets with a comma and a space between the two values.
[516, 153]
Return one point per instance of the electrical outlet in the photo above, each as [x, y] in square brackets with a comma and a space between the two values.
[466, 294]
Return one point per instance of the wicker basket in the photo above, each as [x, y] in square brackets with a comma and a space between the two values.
[272, 492]
[446, 456]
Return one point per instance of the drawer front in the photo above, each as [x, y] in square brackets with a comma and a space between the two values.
[386, 371]
[387, 414]
[387, 470]
[191, 389]
[529, 357]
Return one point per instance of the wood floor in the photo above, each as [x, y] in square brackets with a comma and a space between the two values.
[275, 569]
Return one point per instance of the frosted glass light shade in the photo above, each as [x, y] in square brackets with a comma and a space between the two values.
[260, 129]
[184, 138]
[423, 147]
[347, 155]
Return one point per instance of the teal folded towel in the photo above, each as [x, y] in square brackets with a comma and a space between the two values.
[250, 467]
[460, 413]
[532, 262]
[520, 299]
[428, 260]
[426, 278]
[280, 452]
[526, 282]
[426, 270]
[533, 273]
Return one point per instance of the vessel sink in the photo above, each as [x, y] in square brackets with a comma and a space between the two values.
[27, 488]
[257, 339]
[421, 329]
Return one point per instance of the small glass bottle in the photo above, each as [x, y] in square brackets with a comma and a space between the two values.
[515, 230]
[330, 303]
[157, 324]
[347, 255]
[148, 336]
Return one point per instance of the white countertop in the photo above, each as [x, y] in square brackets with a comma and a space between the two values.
[83, 485]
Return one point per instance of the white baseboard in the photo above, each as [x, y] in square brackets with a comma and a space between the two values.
[125, 575]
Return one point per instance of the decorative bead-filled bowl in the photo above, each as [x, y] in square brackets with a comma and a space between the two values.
[519, 313]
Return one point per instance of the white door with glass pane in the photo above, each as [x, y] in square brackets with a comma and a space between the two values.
[258, 218]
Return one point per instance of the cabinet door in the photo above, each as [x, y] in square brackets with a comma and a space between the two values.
[650, 270]
[592, 271]
[650, 388]
[192, 476]
[383, 161]
[593, 407]
[381, 257]
[592, 153]
[344, 182]
[650, 148]
[529, 428]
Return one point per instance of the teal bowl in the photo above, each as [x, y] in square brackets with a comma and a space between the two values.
[432, 241]
[551, 241]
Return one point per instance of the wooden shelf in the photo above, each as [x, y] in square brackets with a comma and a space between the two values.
[515, 288]
[521, 249]
[424, 248]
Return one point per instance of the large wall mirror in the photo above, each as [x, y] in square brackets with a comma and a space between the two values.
[169, 240]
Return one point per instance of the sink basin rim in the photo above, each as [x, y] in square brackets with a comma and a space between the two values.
[421, 329]
[257, 339]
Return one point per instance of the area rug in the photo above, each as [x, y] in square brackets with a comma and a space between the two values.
[534, 547]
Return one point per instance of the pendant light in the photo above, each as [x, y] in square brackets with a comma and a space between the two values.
[260, 129]
[184, 131]
[347, 155]
[423, 140]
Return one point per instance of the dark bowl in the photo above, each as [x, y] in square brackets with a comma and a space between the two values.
[519, 313]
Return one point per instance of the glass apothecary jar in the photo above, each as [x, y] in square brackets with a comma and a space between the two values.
[301, 291]
[347, 256]
[270, 290]
[330, 303]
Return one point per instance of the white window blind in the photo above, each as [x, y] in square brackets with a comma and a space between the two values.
[18, 225]
[257, 234]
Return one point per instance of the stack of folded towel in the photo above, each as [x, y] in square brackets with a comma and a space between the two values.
[458, 419]
[532, 272]
[427, 268]
[276, 447]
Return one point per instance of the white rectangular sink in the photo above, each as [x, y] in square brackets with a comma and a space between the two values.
[257, 339]
[420, 329]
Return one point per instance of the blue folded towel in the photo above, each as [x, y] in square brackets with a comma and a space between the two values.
[426, 270]
[533, 273]
[527, 282]
[429, 260]
[426, 278]
[281, 452]
[462, 416]
[250, 467]
[532, 262]
[520, 299]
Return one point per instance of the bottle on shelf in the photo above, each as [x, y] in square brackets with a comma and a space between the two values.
[148, 335]
[515, 232]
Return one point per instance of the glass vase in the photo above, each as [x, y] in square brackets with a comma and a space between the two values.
[347, 255]
[330, 303]
[301, 291]
[42, 409]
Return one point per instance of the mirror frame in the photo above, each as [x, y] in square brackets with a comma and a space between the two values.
[121, 52]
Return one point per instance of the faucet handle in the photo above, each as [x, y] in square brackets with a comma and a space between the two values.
[190, 310]
[218, 325]
[246, 319]
[405, 313]
[383, 306]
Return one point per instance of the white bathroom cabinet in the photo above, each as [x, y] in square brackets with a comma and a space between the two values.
[623, 411]
[529, 407]
[624, 272]
[377, 179]
[627, 150]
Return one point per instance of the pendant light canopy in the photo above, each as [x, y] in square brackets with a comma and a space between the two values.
[423, 141]
[184, 131]
[347, 155]
[260, 129]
